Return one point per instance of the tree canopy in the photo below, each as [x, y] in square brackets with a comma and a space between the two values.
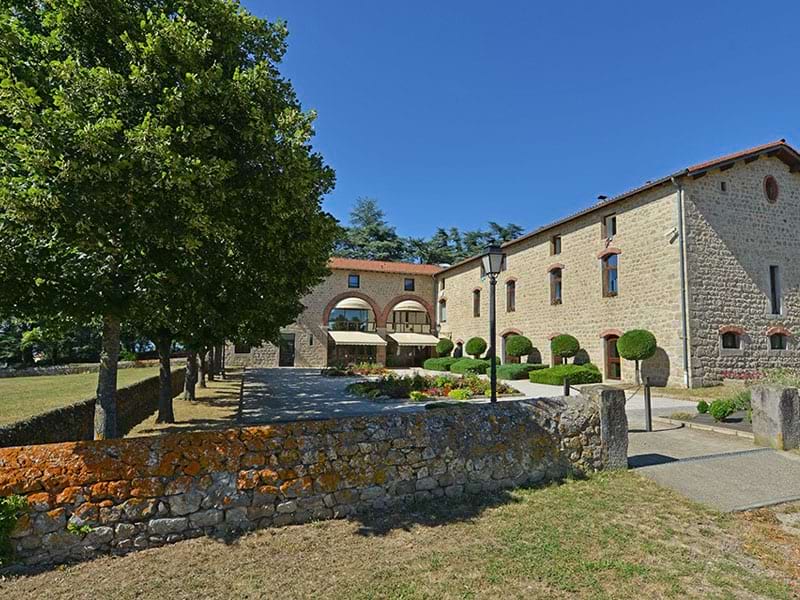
[155, 167]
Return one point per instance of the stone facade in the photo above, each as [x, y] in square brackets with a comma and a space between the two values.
[732, 237]
[381, 289]
[146, 492]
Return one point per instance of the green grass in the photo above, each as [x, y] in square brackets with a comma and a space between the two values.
[613, 536]
[23, 397]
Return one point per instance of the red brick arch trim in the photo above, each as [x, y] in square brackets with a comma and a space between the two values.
[510, 331]
[554, 266]
[731, 329]
[510, 279]
[398, 299]
[477, 289]
[326, 314]
[609, 332]
[553, 335]
[608, 252]
[778, 329]
[459, 341]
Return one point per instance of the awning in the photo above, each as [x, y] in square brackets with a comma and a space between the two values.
[356, 303]
[414, 339]
[356, 338]
[409, 305]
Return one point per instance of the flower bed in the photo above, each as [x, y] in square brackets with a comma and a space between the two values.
[424, 387]
[353, 370]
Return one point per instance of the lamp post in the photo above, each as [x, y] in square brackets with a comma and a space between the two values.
[493, 261]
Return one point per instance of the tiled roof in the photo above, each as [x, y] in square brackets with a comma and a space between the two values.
[382, 266]
[778, 148]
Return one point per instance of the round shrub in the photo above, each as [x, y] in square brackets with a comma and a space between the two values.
[637, 344]
[518, 345]
[564, 346]
[475, 346]
[444, 347]
[702, 407]
[722, 408]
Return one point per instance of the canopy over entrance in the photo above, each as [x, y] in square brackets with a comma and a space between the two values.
[356, 338]
[409, 305]
[414, 339]
[353, 303]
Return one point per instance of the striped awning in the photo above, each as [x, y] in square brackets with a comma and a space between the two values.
[356, 338]
[409, 305]
[353, 303]
[414, 339]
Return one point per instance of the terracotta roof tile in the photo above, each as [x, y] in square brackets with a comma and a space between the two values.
[382, 266]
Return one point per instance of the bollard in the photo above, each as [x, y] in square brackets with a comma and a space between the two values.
[648, 409]
[566, 386]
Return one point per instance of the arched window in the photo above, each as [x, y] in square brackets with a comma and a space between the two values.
[442, 311]
[610, 281]
[778, 341]
[511, 296]
[476, 303]
[556, 283]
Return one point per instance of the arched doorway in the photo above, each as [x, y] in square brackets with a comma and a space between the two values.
[613, 366]
[409, 333]
[503, 339]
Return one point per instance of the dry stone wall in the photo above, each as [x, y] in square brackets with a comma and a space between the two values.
[145, 492]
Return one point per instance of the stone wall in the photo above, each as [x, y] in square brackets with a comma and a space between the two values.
[733, 236]
[649, 286]
[75, 422]
[145, 492]
[72, 368]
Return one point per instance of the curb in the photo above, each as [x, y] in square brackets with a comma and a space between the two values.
[700, 427]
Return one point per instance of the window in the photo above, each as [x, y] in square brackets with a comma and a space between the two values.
[723, 186]
[555, 244]
[353, 281]
[442, 288]
[476, 303]
[241, 349]
[778, 341]
[609, 226]
[775, 289]
[351, 319]
[731, 340]
[511, 296]
[555, 286]
[771, 189]
[442, 311]
[610, 282]
[408, 284]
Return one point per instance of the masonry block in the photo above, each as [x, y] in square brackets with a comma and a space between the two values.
[776, 417]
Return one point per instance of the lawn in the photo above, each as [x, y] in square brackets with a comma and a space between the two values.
[615, 535]
[216, 406]
[22, 397]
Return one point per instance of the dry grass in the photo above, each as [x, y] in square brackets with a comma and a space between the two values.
[216, 407]
[23, 397]
[615, 535]
[704, 393]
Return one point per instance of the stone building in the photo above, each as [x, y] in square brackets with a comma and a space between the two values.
[365, 310]
[707, 258]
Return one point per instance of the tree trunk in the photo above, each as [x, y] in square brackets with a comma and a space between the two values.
[165, 412]
[218, 361]
[191, 377]
[105, 406]
[202, 378]
[223, 360]
[638, 375]
[210, 363]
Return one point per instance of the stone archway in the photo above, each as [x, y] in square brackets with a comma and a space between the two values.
[352, 294]
[397, 300]
[504, 335]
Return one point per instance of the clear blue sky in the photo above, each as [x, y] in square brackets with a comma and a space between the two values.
[456, 113]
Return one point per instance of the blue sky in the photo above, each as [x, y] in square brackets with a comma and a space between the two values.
[457, 113]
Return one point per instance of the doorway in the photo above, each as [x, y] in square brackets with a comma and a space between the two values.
[613, 362]
[286, 350]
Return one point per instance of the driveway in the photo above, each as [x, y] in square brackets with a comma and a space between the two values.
[287, 394]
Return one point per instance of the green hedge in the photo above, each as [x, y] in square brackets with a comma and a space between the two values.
[440, 364]
[577, 374]
[514, 371]
[469, 365]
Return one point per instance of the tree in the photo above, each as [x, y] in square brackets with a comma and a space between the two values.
[637, 345]
[564, 346]
[518, 346]
[167, 120]
[370, 236]
[475, 347]
[444, 347]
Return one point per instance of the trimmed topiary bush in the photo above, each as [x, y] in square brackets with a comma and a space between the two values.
[565, 346]
[637, 345]
[702, 407]
[469, 365]
[475, 347]
[577, 374]
[444, 347]
[440, 364]
[518, 346]
[514, 371]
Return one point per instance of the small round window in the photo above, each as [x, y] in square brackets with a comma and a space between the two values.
[771, 189]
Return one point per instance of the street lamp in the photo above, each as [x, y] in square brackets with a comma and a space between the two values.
[493, 261]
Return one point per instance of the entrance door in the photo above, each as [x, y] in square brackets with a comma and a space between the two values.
[613, 364]
[286, 352]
